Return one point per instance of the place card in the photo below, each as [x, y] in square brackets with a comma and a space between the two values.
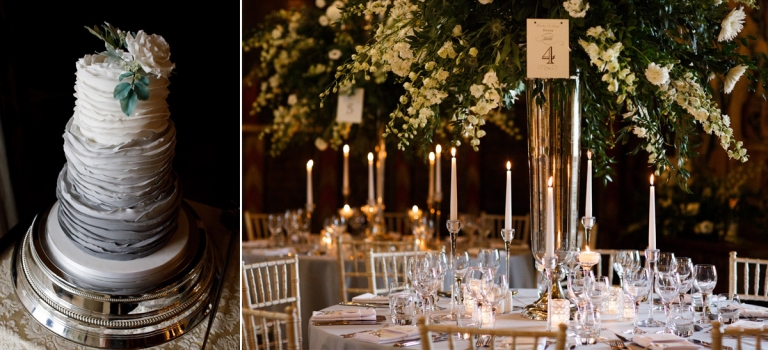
[350, 107]
[547, 48]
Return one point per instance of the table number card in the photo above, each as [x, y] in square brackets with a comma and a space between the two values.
[350, 107]
[548, 48]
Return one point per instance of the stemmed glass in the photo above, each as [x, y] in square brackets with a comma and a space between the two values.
[668, 288]
[478, 281]
[461, 263]
[667, 262]
[599, 291]
[705, 279]
[292, 224]
[628, 260]
[339, 225]
[469, 226]
[489, 258]
[637, 284]
[484, 227]
[578, 283]
[495, 294]
[685, 271]
[275, 226]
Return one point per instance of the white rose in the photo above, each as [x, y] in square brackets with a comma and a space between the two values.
[320, 3]
[334, 11]
[152, 53]
[323, 20]
[334, 54]
[657, 75]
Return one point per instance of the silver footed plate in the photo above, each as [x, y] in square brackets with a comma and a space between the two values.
[114, 319]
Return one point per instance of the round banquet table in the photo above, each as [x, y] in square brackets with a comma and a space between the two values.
[329, 337]
[319, 277]
[19, 331]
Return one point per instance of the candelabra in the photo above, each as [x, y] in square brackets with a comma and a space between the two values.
[507, 235]
[377, 229]
[539, 309]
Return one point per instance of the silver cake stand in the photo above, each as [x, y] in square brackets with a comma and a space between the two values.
[114, 320]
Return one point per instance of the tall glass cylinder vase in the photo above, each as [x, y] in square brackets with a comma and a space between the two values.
[554, 128]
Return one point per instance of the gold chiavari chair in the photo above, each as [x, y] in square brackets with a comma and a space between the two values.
[269, 284]
[426, 337]
[256, 226]
[262, 329]
[739, 334]
[751, 287]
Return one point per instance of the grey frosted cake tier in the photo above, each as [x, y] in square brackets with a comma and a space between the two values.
[119, 197]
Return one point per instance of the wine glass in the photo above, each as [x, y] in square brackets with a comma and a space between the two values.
[339, 225]
[478, 280]
[705, 279]
[495, 294]
[668, 288]
[275, 226]
[489, 258]
[685, 271]
[461, 263]
[469, 225]
[637, 284]
[667, 262]
[577, 285]
[599, 291]
[624, 261]
[484, 227]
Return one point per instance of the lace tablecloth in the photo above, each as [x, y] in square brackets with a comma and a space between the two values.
[18, 330]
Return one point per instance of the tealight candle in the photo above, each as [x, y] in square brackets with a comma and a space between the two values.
[589, 257]
[613, 304]
[415, 213]
[346, 212]
[559, 312]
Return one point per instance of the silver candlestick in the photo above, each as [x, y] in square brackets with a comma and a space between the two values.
[588, 222]
[651, 262]
[549, 264]
[453, 228]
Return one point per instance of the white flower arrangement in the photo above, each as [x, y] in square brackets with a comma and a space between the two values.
[140, 54]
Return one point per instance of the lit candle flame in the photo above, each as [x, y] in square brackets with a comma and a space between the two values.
[346, 149]
[438, 149]
[453, 152]
[415, 209]
[550, 182]
[370, 157]
[309, 164]
[651, 179]
[346, 207]
[431, 157]
[509, 165]
[589, 154]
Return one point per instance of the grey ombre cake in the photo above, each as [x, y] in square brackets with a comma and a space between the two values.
[119, 197]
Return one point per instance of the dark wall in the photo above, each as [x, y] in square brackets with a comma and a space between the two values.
[40, 45]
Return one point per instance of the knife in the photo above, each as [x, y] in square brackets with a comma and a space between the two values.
[341, 323]
[352, 303]
[436, 339]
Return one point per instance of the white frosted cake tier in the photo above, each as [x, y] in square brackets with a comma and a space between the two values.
[142, 272]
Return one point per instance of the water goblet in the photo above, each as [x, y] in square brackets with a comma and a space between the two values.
[599, 291]
[705, 279]
[478, 280]
[275, 226]
[666, 263]
[339, 225]
[681, 317]
[461, 263]
[685, 271]
[637, 284]
[629, 260]
[489, 258]
[667, 287]
[578, 283]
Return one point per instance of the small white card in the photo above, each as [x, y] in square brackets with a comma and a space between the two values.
[350, 107]
[548, 55]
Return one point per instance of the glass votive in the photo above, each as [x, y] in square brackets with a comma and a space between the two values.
[589, 326]
[682, 317]
[402, 307]
[469, 302]
[487, 318]
[559, 312]
[627, 309]
[464, 320]
[615, 301]
[728, 309]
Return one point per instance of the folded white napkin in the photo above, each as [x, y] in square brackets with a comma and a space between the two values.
[389, 335]
[371, 299]
[742, 324]
[664, 341]
[750, 312]
[344, 315]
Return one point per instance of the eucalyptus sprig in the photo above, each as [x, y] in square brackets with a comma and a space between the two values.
[128, 93]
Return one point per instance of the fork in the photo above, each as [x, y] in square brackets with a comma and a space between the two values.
[617, 344]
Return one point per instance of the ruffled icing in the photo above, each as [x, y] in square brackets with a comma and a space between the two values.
[119, 196]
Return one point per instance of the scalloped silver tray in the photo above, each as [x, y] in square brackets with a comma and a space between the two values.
[116, 320]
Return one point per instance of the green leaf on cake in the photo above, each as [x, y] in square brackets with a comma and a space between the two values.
[124, 75]
[142, 90]
[121, 91]
[128, 104]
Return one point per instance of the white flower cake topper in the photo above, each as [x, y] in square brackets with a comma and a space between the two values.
[140, 54]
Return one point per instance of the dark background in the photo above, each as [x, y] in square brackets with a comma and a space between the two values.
[40, 45]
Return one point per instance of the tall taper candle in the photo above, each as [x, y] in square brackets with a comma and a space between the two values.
[550, 244]
[431, 188]
[438, 172]
[371, 199]
[454, 210]
[588, 205]
[652, 218]
[345, 179]
[508, 200]
[309, 181]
